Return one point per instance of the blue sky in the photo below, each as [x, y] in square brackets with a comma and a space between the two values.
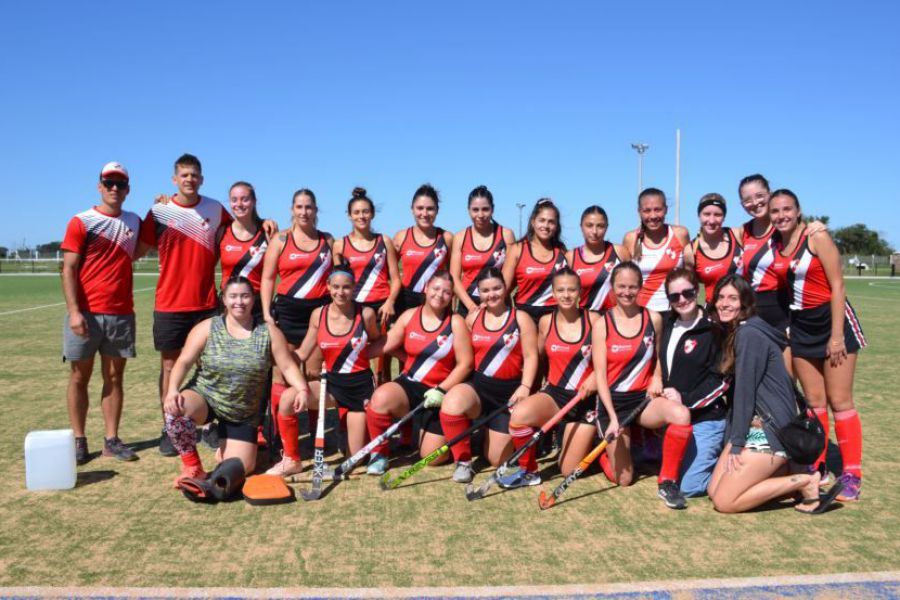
[531, 99]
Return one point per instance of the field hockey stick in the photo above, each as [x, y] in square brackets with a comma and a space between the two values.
[319, 456]
[546, 501]
[343, 470]
[388, 484]
[476, 494]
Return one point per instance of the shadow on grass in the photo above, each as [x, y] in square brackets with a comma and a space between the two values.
[89, 477]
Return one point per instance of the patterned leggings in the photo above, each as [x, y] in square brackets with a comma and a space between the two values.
[182, 432]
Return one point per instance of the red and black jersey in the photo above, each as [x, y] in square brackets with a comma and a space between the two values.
[630, 361]
[242, 257]
[710, 270]
[418, 263]
[570, 362]
[758, 260]
[534, 279]
[802, 273]
[475, 262]
[186, 239]
[429, 354]
[370, 270]
[304, 273]
[498, 353]
[347, 352]
[655, 263]
[595, 278]
[106, 245]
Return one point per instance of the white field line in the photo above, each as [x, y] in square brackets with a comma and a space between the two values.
[876, 583]
[22, 310]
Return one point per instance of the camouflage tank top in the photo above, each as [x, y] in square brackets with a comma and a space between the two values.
[232, 373]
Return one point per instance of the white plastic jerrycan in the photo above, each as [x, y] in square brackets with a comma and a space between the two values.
[50, 460]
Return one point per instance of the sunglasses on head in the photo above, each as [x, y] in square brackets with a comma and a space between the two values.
[114, 183]
[687, 293]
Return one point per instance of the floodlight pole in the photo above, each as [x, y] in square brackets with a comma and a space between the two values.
[640, 148]
[677, 175]
[520, 206]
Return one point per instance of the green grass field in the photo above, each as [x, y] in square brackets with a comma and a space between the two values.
[125, 526]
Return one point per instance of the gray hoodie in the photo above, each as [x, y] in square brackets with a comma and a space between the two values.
[762, 384]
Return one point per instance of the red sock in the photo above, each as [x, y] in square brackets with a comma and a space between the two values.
[822, 415]
[342, 418]
[275, 397]
[377, 424]
[675, 443]
[406, 431]
[520, 437]
[289, 430]
[848, 430]
[607, 467]
[454, 425]
[313, 415]
[191, 459]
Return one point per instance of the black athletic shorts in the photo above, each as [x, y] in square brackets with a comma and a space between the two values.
[623, 403]
[351, 390]
[170, 329]
[494, 393]
[811, 331]
[408, 299]
[535, 312]
[461, 309]
[772, 307]
[292, 316]
[244, 431]
[428, 419]
[375, 306]
[562, 396]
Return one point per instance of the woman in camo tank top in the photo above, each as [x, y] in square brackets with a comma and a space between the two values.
[233, 353]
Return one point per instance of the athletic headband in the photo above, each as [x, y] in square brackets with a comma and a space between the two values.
[341, 272]
[712, 202]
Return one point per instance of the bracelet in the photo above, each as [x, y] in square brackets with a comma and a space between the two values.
[525, 385]
[440, 389]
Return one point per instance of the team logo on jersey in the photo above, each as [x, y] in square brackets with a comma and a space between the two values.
[326, 344]
[441, 340]
[531, 270]
[297, 255]
[480, 338]
[254, 250]
[609, 267]
[378, 258]
[413, 335]
[671, 253]
[795, 264]
[510, 339]
[414, 253]
[499, 255]
[129, 233]
[709, 269]
[558, 348]
[440, 253]
[586, 350]
[689, 346]
[616, 348]
[323, 255]
[230, 248]
[648, 341]
[356, 342]
[204, 223]
[581, 272]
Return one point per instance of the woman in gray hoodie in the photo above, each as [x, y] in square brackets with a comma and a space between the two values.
[753, 467]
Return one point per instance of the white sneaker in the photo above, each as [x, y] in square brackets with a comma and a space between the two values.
[287, 467]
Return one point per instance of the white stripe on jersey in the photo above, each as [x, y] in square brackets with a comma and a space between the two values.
[436, 258]
[257, 258]
[121, 230]
[762, 266]
[498, 359]
[800, 268]
[199, 222]
[369, 283]
[712, 396]
[638, 368]
[325, 255]
[600, 298]
[649, 262]
[583, 364]
[425, 368]
[347, 367]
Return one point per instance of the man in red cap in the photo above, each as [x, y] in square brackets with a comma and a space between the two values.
[99, 245]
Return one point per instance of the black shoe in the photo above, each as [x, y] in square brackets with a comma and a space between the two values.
[210, 436]
[671, 495]
[81, 451]
[165, 445]
[113, 447]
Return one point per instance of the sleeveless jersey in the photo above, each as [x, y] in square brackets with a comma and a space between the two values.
[570, 362]
[419, 263]
[304, 273]
[534, 279]
[244, 258]
[498, 353]
[630, 361]
[710, 270]
[106, 245]
[186, 239]
[655, 264]
[232, 373]
[803, 274]
[429, 354]
[345, 353]
[595, 281]
[475, 262]
[758, 260]
[369, 270]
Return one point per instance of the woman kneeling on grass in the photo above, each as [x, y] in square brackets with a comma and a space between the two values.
[753, 466]
[233, 353]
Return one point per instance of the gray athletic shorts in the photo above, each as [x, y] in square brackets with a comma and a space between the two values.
[111, 335]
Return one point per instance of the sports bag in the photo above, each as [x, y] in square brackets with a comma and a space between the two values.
[803, 437]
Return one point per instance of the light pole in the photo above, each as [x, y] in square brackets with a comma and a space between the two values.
[520, 206]
[640, 148]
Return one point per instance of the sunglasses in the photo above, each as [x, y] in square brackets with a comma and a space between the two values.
[114, 183]
[687, 294]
